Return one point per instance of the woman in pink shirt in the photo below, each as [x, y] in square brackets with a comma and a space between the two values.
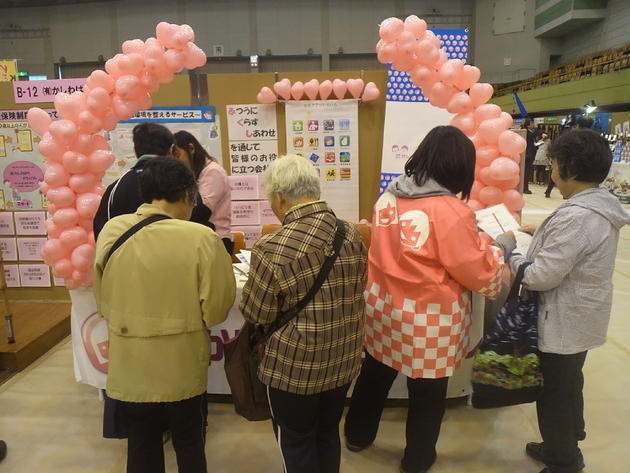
[213, 183]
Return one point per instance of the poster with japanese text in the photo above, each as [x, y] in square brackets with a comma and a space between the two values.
[34, 275]
[21, 165]
[201, 122]
[253, 137]
[327, 133]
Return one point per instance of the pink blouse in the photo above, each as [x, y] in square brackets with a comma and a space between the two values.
[215, 193]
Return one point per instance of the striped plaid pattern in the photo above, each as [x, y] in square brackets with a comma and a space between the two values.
[321, 348]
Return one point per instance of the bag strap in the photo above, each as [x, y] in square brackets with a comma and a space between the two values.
[133, 230]
[512, 299]
[285, 317]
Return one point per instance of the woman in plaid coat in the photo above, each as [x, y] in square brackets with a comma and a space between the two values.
[425, 258]
[310, 362]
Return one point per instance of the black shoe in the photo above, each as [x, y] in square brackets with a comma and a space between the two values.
[547, 196]
[355, 448]
[536, 451]
[3, 450]
[527, 192]
[403, 470]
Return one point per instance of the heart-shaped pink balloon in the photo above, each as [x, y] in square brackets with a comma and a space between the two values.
[63, 131]
[340, 88]
[487, 111]
[50, 148]
[38, 120]
[451, 70]
[102, 79]
[297, 90]
[325, 89]
[459, 103]
[311, 88]
[480, 93]
[194, 56]
[465, 122]
[175, 60]
[283, 88]
[355, 86]
[370, 92]
[489, 130]
[131, 63]
[440, 94]
[266, 95]
[165, 33]
[70, 105]
[468, 77]
[133, 46]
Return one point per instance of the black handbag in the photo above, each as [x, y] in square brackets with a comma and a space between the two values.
[506, 368]
[242, 353]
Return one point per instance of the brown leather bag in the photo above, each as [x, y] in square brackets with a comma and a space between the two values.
[242, 354]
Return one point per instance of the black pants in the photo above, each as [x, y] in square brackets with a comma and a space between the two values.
[561, 410]
[427, 402]
[529, 166]
[307, 429]
[550, 187]
[185, 419]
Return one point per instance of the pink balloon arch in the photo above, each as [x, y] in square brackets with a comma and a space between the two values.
[77, 156]
[449, 83]
[310, 90]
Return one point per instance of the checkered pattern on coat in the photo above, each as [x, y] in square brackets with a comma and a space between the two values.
[321, 348]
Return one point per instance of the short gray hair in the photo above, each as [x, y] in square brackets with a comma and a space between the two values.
[293, 177]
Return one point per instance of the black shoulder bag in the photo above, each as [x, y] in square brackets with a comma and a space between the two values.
[242, 358]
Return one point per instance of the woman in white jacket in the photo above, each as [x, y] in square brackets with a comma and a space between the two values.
[573, 258]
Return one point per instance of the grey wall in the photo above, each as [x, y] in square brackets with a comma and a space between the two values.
[82, 32]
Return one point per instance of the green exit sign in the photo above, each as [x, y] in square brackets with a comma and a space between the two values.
[22, 74]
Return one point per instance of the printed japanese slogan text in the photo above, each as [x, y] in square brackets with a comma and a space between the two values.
[326, 132]
[253, 134]
[45, 90]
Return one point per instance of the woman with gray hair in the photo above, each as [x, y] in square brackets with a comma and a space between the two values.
[310, 361]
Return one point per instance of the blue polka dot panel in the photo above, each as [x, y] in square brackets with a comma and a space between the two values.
[386, 178]
[400, 88]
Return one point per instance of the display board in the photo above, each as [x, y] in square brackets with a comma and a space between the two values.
[408, 114]
[326, 132]
[199, 121]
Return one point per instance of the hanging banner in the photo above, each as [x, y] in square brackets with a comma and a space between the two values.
[8, 70]
[253, 135]
[35, 91]
[408, 114]
[327, 133]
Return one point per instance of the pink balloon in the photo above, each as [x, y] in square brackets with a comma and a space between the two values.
[490, 130]
[52, 208]
[89, 122]
[144, 102]
[91, 239]
[98, 100]
[511, 143]
[475, 205]
[515, 157]
[109, 120]
[71, 284]
[370, 92]
[154, 58]
[38, 120]
[440, 94]
[390, 28]
[63, 268]
[325, 89]
[486, 177]
[43, 187]
[53, 250]
[73, 236]
[404, 62]
[513, 200]
[52, 230]
[340, 87]
[387, 53]
[490, 195]
[151, 41]
[481, 93]
[128, 87]
[99, 189]
[430, 36]
[311, 88]
[486, 154]
[111, 66]
[474, 191]
[451, 71]
[416, 26]
[194, 56]
[165, 33]
[423, 75]
[82, 257]
[510, 183]
[487, 111]
[75, 163]
[87, 205]
[87, 224]
[459, 103]
[406, 42]
[82, 183]
[63, 131]
[66, 218]
[51, 148]
[133, 46]
[355, 87]
[175, 60]
[132, 63]
[125, 110]
[465, 122]
[55, 175]
[266, 95]
[283, 88]
[442, 59]
[61, 196]
[149, 81]
[427, 52]
[100, 79]
[468, 77]
[297, 90]
[503, 169]
[70, 105]
[507, 118]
